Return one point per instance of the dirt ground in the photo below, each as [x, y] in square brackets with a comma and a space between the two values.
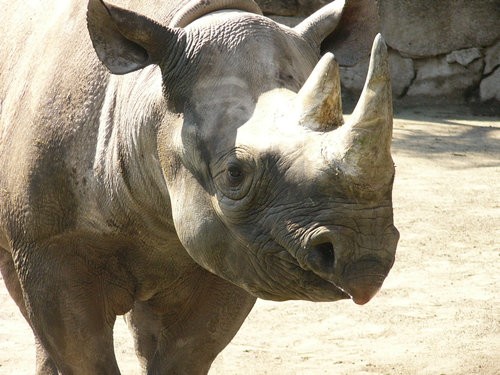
[439, 309]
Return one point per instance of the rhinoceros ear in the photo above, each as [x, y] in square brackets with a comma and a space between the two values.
[321, 23]
[126, 41]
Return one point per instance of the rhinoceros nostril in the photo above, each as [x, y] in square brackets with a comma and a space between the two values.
[322, 257]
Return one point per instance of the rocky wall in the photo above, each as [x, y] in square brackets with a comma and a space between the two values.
[439, 49]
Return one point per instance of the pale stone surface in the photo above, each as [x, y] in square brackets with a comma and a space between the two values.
[427, 28]
[492, 58]
[490, 86]
[402, 73]
[464, 56]
[436, 77]
[353, 77]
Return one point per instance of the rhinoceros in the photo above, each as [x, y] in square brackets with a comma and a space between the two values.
[175, 162]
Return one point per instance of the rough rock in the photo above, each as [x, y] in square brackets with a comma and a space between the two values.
[402, 74]
[288, 21]
[420, 28]
[278, 7]
[490, 86]
[464, 56]
[492, 58]
[353, 77]
[436, 77]
[352, 40]
[306, 7]
[290, 8]
[437, 48]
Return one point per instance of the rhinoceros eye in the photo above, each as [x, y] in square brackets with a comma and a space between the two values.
[235, 175]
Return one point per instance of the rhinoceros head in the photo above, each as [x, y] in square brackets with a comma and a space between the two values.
[269, 188]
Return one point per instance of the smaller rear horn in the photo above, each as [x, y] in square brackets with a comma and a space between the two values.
[319, 100]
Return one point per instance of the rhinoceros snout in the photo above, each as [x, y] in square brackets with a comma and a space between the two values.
[364, 278]
[364, 288]
[361, 277]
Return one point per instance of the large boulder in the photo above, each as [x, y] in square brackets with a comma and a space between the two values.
[490, 87]
[438, 77]
[421, 28]
[492, 58]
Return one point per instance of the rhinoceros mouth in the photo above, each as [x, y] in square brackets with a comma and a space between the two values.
[284, 277]
[358, 280]
[364, 278]
[329, 284]
[341, 291]
[332, 254]
[363, 288]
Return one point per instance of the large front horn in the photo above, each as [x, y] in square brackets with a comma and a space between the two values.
[320, 24]
[365, 139]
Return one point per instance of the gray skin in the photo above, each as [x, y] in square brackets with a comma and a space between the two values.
[204, 173]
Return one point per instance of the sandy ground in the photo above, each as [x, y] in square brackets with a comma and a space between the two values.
[439, 309]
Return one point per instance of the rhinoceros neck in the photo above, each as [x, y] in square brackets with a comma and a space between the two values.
[126, 159]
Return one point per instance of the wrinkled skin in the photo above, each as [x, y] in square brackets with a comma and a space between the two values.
[181, 189]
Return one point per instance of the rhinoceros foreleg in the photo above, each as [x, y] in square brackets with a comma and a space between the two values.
[73, 293]
[44, 364]
[145, 325]
[186, 337]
